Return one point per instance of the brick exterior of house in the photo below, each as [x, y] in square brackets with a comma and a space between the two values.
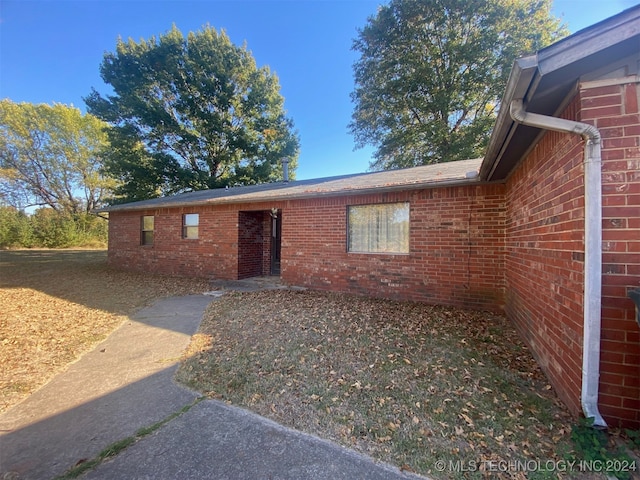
[545, 258]
[615, 110]
[456, 248]
[515, 245]
[456, 245]
[545, 251]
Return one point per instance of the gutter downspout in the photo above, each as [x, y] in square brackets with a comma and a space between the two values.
[592, 247]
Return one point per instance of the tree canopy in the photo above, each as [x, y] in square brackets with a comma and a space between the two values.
[189, 114]
[431, 74]
[50, 156]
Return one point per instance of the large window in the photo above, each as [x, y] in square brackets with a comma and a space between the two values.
[190, 223]
[146, 237]
[381, 228]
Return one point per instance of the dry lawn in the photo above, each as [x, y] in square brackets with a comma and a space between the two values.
[406, 383]
[56, 304]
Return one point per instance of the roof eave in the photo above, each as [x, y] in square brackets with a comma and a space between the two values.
[527, 73]
[295, 196]
[521, 77]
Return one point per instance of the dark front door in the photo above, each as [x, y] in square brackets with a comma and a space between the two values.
[276, 241]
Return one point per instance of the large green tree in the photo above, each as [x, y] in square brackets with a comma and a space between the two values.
[50, 156]
[189, 114]
[431, 74]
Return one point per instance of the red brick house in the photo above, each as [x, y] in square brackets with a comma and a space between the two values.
[546, 227]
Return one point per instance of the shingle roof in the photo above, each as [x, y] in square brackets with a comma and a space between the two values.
[460, 172]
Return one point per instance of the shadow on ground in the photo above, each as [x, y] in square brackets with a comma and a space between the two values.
[84, 277]
[125, 384]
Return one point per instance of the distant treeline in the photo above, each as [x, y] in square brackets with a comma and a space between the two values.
[50, 229]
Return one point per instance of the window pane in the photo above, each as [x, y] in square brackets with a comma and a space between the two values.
[382, 228]
[190, 232]
[147, 238]
[190, 225]
[191, 219]
[147, 222]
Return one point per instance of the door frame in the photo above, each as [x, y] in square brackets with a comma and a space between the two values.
[276, 242]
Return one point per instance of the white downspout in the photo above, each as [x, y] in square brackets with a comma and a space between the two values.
[592, 248]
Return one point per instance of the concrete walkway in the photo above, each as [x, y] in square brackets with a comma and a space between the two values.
[126, 383]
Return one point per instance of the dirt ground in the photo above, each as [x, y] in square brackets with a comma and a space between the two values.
[57, 304]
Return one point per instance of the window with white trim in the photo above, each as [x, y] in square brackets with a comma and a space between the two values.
[146, 230]
[378, 228]
[190, 222]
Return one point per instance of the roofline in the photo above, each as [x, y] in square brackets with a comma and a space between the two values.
[296, 196]
[590, 40]
[522, 74]
[528, 71]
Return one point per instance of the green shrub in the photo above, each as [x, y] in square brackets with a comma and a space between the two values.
[15, 229]
[50, 229]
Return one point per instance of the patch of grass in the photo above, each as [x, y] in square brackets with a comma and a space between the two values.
[406, 383]
[633, 437]
[596, 447]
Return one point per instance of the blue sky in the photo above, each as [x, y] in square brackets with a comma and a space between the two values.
[50, 51]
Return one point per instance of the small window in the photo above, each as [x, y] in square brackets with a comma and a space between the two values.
[190, 223]
[147, 230]
[381, 228]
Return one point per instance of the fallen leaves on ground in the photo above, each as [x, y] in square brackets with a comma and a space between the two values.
[57, 304]
[407, 383]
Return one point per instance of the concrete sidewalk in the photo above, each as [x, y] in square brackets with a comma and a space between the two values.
[213, 440]
[126, 383]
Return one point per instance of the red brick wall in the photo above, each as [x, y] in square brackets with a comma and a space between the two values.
[456, 248]
[213, 254]
[614, 110]
[545, 252]
[253, 244]
[545, 258]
